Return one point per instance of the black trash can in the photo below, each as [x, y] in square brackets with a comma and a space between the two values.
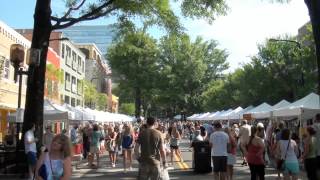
[201, 157]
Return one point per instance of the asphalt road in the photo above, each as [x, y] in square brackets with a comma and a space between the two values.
[177, 170]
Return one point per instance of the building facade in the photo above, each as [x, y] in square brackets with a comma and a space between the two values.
[53, 77]
[72, 66]
[97, 72]
[8, 88]
[102, 36]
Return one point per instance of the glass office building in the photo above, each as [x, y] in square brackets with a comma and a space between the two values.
[102, 36]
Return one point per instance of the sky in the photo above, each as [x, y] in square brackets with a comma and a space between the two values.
[248, 23]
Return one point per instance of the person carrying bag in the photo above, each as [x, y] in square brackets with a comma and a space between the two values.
[280, 163]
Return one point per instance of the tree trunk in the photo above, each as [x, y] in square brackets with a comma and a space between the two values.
[33, 113]
[314, 13]
[138, 103]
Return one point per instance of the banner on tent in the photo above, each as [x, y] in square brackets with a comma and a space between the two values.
[247, 117]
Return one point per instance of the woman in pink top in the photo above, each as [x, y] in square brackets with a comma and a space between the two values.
[254, 155]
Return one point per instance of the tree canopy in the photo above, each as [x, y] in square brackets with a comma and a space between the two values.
[279, 71]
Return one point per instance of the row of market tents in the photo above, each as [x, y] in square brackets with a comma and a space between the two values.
[302, 109]
[65, 112]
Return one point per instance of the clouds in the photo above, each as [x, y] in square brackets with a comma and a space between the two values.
[248, 23]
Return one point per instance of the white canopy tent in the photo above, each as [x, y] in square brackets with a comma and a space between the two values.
[193, 116]
[80, 114]
[211, 115]
[206, 116]
[200, 117]
[227, 116]
[305, 108]
[261, 108]
[102, 116]
[268, 113]
[240, 114]
[51, 111]
[220, 115]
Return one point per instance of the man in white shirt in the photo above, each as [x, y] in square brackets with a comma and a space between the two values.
[219, 141]
[31, 149]
[244, 134]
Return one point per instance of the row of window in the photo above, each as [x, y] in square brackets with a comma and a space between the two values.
[73, 84]
[72, 59]
[6, 67]
[11, 37]
[5, 63]
[72, 101]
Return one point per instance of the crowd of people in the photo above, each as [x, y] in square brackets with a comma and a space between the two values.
[153, 142]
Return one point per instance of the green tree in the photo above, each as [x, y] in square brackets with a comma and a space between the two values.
[272, 75]
[133, 57]
[127, 108]
[90, 93]
[159, 11]
[186, 70]
[101, 101]
[314, 13]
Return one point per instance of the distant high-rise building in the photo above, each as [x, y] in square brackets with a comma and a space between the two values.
[102, 36]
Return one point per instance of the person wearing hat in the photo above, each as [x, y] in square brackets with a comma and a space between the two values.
[219, 141]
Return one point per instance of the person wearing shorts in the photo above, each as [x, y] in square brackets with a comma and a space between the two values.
[31, 150]
[219, 141]
[95, 146]
[288, 150]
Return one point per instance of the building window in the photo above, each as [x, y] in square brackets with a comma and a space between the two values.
[74, 85]
[74, 61]
[68, 56]
[73, 102]
[79, 87]
[67, 99]
[78, 102]
[67, 81]
[83, 65]
[62, 51]
[6, 67]
[79, 64]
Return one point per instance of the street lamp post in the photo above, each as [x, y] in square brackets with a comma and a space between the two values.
[17, 53]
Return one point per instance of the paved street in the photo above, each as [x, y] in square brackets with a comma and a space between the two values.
[177, 171]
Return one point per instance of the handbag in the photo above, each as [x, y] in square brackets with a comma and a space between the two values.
[42, 172]
[110, 145]
[280, 162]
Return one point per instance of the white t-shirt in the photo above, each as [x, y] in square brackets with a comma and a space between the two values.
[29, 136]
[244, 134]
[219, 141]
[316, 127]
